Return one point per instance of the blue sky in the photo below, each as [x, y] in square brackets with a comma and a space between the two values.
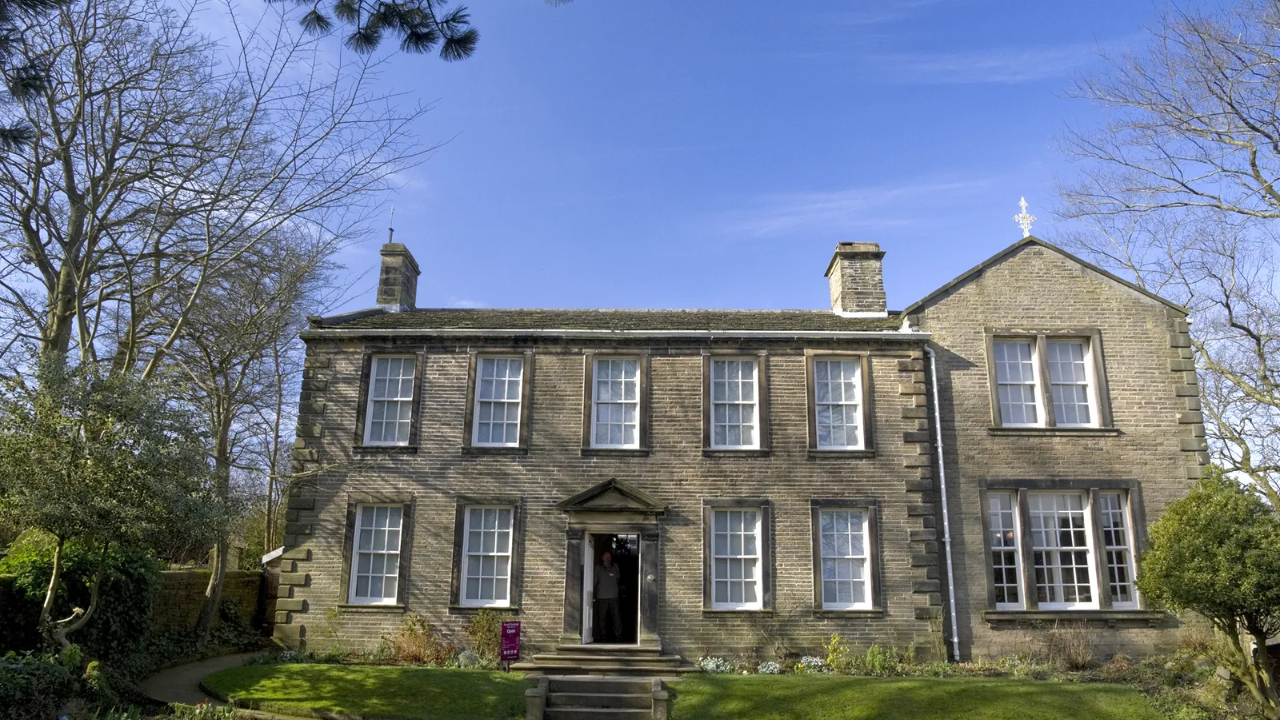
[710, 154]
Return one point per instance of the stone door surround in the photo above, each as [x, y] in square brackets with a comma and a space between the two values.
[615, 508]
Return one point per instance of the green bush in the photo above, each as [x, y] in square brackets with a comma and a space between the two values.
[875, 662]
[485, 633]
[34, 687]
[123, 616]
[1217, 552]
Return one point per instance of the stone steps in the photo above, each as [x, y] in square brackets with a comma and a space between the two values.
[591, 698]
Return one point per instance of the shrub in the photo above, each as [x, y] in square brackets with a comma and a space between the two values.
[876, 661]
[1217, 552]
[1070, 644]
[769, 667]
[34, 687]
[128, 589]
[418, 642]
[234, 629]
[715, 664]
[839, 657]
[485, 633]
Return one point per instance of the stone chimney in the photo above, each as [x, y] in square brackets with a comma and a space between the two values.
[857, 282]
[398, 283]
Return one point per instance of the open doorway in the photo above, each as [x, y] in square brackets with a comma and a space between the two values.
[611, 588]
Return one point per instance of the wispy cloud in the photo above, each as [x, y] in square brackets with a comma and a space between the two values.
[996, 65]
[457, 302]
[839, 211]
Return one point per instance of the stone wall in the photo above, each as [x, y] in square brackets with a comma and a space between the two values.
[1157, 441]
[180, 596]
[676, 472]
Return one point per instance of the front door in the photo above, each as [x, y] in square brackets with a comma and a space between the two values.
[611, 589]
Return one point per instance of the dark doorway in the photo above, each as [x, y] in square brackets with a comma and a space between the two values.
[624, 553]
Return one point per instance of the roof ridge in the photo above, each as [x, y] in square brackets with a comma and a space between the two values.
[1008, 251]
[636, 310]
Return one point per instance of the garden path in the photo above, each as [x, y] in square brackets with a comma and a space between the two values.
[181, 684]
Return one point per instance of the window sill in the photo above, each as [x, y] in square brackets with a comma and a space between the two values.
[615, 452]
[386, 449]
[746, 452]
[869, 613]
[817, 454]
[708, 612]
[1054, 431]
[359, 608]
[1131, 618]
[495, 450]
[473, 610]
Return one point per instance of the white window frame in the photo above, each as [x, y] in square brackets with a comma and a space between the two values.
[759, 556]
[1015, 548]
[1090, 549]
[354, 578]
[754, 404]
[1126, 515]
[865, 558]
[467, 552]
[519, 401]
[1091, 382]
[1036, 385]
[859, 426]
[373, 399]
[596, 402]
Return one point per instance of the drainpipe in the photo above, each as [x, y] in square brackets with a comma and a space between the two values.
[946, 516]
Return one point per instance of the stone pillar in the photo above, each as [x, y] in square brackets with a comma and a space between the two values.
[571, 634]
[650, 575]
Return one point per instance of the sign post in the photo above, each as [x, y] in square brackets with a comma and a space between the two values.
[509, 649]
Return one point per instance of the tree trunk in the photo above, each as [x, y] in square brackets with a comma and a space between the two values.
[218, 563]
[212, 593]
[64, 628]
[50, 594]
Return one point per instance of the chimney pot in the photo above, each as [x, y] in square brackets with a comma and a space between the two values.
[857, 280]
[398, 281]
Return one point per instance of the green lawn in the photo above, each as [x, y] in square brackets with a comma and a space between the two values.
[816, 697]
[408, 693]
[372, 691]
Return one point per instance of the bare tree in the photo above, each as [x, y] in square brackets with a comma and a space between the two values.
[1178, 191]
[230, 356]
[160, 160]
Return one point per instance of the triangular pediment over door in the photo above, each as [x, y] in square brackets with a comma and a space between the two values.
[613, 495]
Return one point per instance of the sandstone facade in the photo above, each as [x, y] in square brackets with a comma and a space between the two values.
[664, 493]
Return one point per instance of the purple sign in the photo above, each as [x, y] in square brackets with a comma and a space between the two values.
[510, 648]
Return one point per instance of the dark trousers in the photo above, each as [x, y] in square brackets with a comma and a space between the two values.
[607, 618]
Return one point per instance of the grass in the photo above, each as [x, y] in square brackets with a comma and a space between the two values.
[414, 693]
[817, 697]
[373, 691]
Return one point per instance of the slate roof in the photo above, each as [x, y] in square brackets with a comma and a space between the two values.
[718, 320]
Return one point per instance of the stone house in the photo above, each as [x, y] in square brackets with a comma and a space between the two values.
[961, 475]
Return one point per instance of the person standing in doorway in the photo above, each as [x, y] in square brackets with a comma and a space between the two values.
[606, 594]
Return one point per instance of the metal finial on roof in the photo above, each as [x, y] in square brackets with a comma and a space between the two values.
[391, 229]
[1023, 219]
